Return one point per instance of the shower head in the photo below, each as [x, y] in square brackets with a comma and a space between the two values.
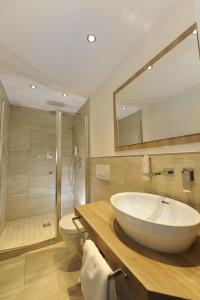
[55, 103]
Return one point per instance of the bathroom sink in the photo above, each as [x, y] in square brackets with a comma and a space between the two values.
[159, 223]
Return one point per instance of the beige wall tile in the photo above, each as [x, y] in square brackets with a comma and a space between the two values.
[127, 175]
[38, 138]
[19, 139]
[17, 206]
[18, 163]
[42, 185]
[18, 184]
[31, 118]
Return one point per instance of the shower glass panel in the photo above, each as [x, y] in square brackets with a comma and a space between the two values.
[80, 154]
[67, 194]
[30, 217]
[73, 161]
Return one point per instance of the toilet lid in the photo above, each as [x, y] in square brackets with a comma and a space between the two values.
[67, 224]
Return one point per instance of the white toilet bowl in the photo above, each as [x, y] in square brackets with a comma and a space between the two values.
[70, 234]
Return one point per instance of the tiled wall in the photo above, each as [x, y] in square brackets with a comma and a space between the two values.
[127, 175]
[31, 173]
[4, 160]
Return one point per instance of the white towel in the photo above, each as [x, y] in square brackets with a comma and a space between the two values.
[94, 275]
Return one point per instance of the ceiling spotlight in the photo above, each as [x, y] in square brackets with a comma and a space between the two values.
[33, 86]
[194, 31]
[149, 67]
[123, 107]
[65, 94]
[91, 38]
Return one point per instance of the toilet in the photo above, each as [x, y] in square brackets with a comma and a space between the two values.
[70, 234]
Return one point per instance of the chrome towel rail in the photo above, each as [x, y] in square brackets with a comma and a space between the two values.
[111, 290]
[117, 273]
[78, 218]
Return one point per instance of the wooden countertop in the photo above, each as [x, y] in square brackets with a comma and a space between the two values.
[154, 273]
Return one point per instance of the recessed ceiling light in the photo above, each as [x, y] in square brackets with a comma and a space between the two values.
[91, 38]
[194, 31]
[33, 86]
[123, 107]
[65, 94]
[149, 67]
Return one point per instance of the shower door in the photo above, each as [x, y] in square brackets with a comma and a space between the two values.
[31, 176]
[74, 160]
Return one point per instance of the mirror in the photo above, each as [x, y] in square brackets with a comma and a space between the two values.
[160, 104]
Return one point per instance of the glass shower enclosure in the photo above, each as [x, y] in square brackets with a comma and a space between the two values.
[43, 167]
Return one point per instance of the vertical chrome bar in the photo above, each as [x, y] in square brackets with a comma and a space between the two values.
[1, 130]
[86, 130]
[58, 167]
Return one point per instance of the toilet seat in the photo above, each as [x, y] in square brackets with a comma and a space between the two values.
[66, 224]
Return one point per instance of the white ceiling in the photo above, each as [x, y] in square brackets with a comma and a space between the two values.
[45, 41]
[19, 92]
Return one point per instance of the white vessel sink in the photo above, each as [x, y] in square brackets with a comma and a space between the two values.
[156, 222]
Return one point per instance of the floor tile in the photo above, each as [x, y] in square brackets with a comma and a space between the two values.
[12, 273]
[59, 285]
[47, 260]
[27, 231]
[50, 273]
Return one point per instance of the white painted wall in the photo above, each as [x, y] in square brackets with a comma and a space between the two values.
[175, 116]
[197, 13]
[178, 18]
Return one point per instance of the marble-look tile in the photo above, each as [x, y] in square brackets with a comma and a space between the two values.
[173, 186]
[38, 139]
[18, 184]
[127, 175]
[54, 286]
[24, 117]
[42, 185]
[17, 207]
[24, 205]
[67, 122]
[11, 273]
[48, 260]
[18, 163]
[56, 281]
[19, 139]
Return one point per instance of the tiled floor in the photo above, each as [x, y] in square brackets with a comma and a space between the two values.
[50, 273]
[27, 231]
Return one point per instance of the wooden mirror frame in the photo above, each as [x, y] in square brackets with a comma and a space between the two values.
[185, 139]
